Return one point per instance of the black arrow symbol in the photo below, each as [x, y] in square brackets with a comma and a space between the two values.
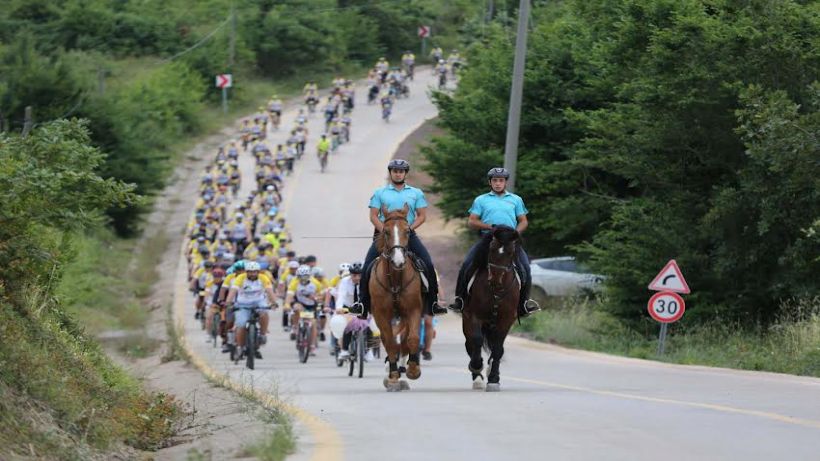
[667, 278]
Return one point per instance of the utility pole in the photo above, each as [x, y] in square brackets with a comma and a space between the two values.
[490, 11]
[516, 94]
[101, 80]
[27, 123]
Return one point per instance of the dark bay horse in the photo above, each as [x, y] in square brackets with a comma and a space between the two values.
[492, 306]
[396, 292]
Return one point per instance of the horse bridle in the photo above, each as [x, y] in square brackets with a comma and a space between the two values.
[497, 289]
[395, 291]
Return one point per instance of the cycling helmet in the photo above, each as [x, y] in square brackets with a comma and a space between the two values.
[239, 265]
[356, 268]
[310, 259]
[293, 265]
[252, 266]
[344, 267]
[498, 173]
[398, 164]
[317, 272]
[303, 271]
[209, 264]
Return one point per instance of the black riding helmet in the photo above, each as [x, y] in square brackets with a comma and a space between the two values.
[498, 173]
[398, 164]
[356, 268]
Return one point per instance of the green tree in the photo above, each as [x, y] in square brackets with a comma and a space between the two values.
[49, 184]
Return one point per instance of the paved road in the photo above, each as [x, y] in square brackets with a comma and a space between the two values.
[555, 403]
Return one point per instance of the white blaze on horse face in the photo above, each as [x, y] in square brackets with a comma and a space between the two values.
[501, 250]
[398, 256]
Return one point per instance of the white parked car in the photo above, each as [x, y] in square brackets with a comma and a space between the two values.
[562, 276]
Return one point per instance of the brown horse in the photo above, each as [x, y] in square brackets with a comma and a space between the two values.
[395, 292]
[492, 306]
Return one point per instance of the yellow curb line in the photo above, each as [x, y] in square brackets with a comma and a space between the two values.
[328, 444]
[708, 406]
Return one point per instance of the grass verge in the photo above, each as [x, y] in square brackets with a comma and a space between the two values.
[62, 398]
[791, 345]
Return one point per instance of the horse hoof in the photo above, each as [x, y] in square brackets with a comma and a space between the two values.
[493, 387]
[413, 371]
[404, 385]
[478, 384]
[393, 386]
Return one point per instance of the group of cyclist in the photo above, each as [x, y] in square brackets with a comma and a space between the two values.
[240, 264]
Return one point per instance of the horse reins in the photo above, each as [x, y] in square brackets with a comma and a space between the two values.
[497, 295]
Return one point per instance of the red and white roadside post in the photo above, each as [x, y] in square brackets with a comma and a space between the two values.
[223, 82]
[667, 306]
[424, 32]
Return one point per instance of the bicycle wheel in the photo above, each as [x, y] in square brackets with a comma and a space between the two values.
[361, 351]
[215, 327]
[354, 344]
[304, 344]
[250, 345]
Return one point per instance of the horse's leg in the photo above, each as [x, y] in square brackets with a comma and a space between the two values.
[391, 382]
[473, 340]
[497, 337]
[412, 342]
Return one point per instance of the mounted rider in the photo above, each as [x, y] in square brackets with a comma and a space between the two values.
[395, 196]
[499, 207]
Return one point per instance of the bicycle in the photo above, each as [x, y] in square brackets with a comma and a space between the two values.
[323, 161]
[357, 348]
[386, 110]
[303, 343]
[216, 320]
[252, 339]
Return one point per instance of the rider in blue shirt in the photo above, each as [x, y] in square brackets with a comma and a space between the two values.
[498, 207]
[395, 196]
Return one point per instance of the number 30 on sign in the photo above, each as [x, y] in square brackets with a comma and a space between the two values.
[666, 307]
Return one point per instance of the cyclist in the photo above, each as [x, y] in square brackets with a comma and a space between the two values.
[303, 294]
[408, 60]
[347, 294]
[251, 290]
[323, 148]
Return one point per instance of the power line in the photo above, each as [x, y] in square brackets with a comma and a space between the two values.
[199, 43]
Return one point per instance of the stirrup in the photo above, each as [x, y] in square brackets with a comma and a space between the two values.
[529, 307]
[356, 308]
[438, 309]
[457, 304]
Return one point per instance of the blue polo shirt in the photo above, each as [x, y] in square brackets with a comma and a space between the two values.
[395, 199]
[494, 209]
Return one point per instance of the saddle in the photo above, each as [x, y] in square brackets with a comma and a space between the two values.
[519, 274]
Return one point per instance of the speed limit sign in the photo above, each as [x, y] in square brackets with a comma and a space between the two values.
[666, 307]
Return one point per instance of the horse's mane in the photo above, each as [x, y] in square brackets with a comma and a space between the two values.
[505, 234]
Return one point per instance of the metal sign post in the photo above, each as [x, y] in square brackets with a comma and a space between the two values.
[424, 32]
[662, 338]
[667, 306]
[224, 81]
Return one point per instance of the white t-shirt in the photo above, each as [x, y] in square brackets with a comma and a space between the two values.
[344, 292]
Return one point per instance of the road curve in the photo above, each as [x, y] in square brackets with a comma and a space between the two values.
[554, 404]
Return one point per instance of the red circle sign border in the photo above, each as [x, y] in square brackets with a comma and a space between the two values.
[677, 297]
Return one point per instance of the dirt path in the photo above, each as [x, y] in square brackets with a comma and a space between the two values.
[219, 423]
